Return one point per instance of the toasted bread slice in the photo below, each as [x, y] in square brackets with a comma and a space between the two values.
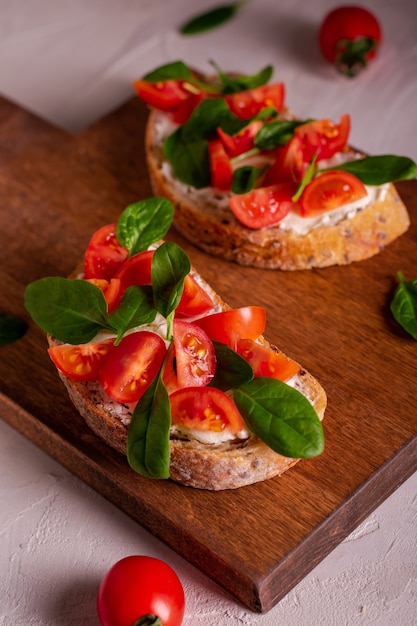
[204, 218]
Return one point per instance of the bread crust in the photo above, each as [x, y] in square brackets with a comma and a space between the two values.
[211, 226]
[214, 467]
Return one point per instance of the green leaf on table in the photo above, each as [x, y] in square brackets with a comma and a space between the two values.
[404, 305]
[12, 328]
[210, 19]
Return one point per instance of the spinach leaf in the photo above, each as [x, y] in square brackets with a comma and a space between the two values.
[234, 84]
[177, 70]
[244, 178]
[143, 223]
[281, 416]
[72, 311]
[170, 266]
[210, 19]
[232, 370]
[377, 170]
[308, 176]
[404, 305]
[148, 446]
[276, 133]
[135, 309]
[11, 328]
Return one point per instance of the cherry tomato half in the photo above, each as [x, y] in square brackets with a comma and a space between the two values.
[330, 191]
[132, 366]
[111, 291]
[267, 362]
[241, 142]
[136, 270]
[194, 300]
[205, 408]
[194, 354]
[227, 326]
[220, 166]
[263, 206]
[137, 586]
[81, 362]
[104, 253]
[349, 37]
[248, 103]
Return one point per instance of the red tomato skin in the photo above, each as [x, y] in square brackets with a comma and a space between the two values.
[241, 142]
[263, 206]
[137, 586]
[195, 355]
[343, 26]
[206, 409]
[227, 326]
[330, 191]
[104, 254]
[267, 362]
[132, 366]
[111, 291]
[136, 270]
[220, 166]
[194, 300]
[82, 362]
[248, 103]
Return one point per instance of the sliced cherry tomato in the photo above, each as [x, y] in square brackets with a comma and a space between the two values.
[248, 103]
[289, 164]
[166, 95]
[194, 300]
[349, 37]
[264, 206]
[241, 142]
[136, 270]
[132, 366]
[267, 362]
[220, 166]
[111, 291]
[205, 408]
[181, 113]
[82, 362]
[139, 587]
[330, 191]
[169, 375]
[227, 326]
[104, 253]
[194, 354]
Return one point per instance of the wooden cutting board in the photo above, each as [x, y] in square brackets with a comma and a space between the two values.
[259, 541]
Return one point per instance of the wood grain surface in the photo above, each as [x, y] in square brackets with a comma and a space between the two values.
[259, 541]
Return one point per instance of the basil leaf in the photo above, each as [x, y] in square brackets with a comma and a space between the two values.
[210, 19]
[281, 416]
[309, 174]
[177, 70]
[275, 134]
[11, 328]
[377, 170]
[135, 309]
[148, 447]
[170, 266]
[72, 311]
[244, 178]
[232, 370]
[143, 223]
[234, 84]
[404, 305]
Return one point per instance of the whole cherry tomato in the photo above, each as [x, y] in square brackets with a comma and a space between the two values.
[139, 588]
[349, 37]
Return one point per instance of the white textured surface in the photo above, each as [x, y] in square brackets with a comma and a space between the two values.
[72, 62]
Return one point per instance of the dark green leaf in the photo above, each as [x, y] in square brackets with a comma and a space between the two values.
[404, 305]
[275, 134]
[281, 416]
[148, 448]
[210, 19]
[242, 82]
[232, 370]
[170, 265]
[308, 176]
[135, 309]
[244, 178]
[11, 328]
[143, 223]
[72, 311]
[377, 170]
[177, 70]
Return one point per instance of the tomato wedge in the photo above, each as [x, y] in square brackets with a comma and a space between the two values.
[241, 142]
[82, 362]
[169, 375]
[178, 97]
[104, 253]
[267, 362]
[248, 103]
[264, 206]
[111, 291]
[194, 354]
[194, 300]
[323, 137]
[136, 270]
[330, 190]
[220, 166]
[205, 408]
[132, 366]
[228, 326]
